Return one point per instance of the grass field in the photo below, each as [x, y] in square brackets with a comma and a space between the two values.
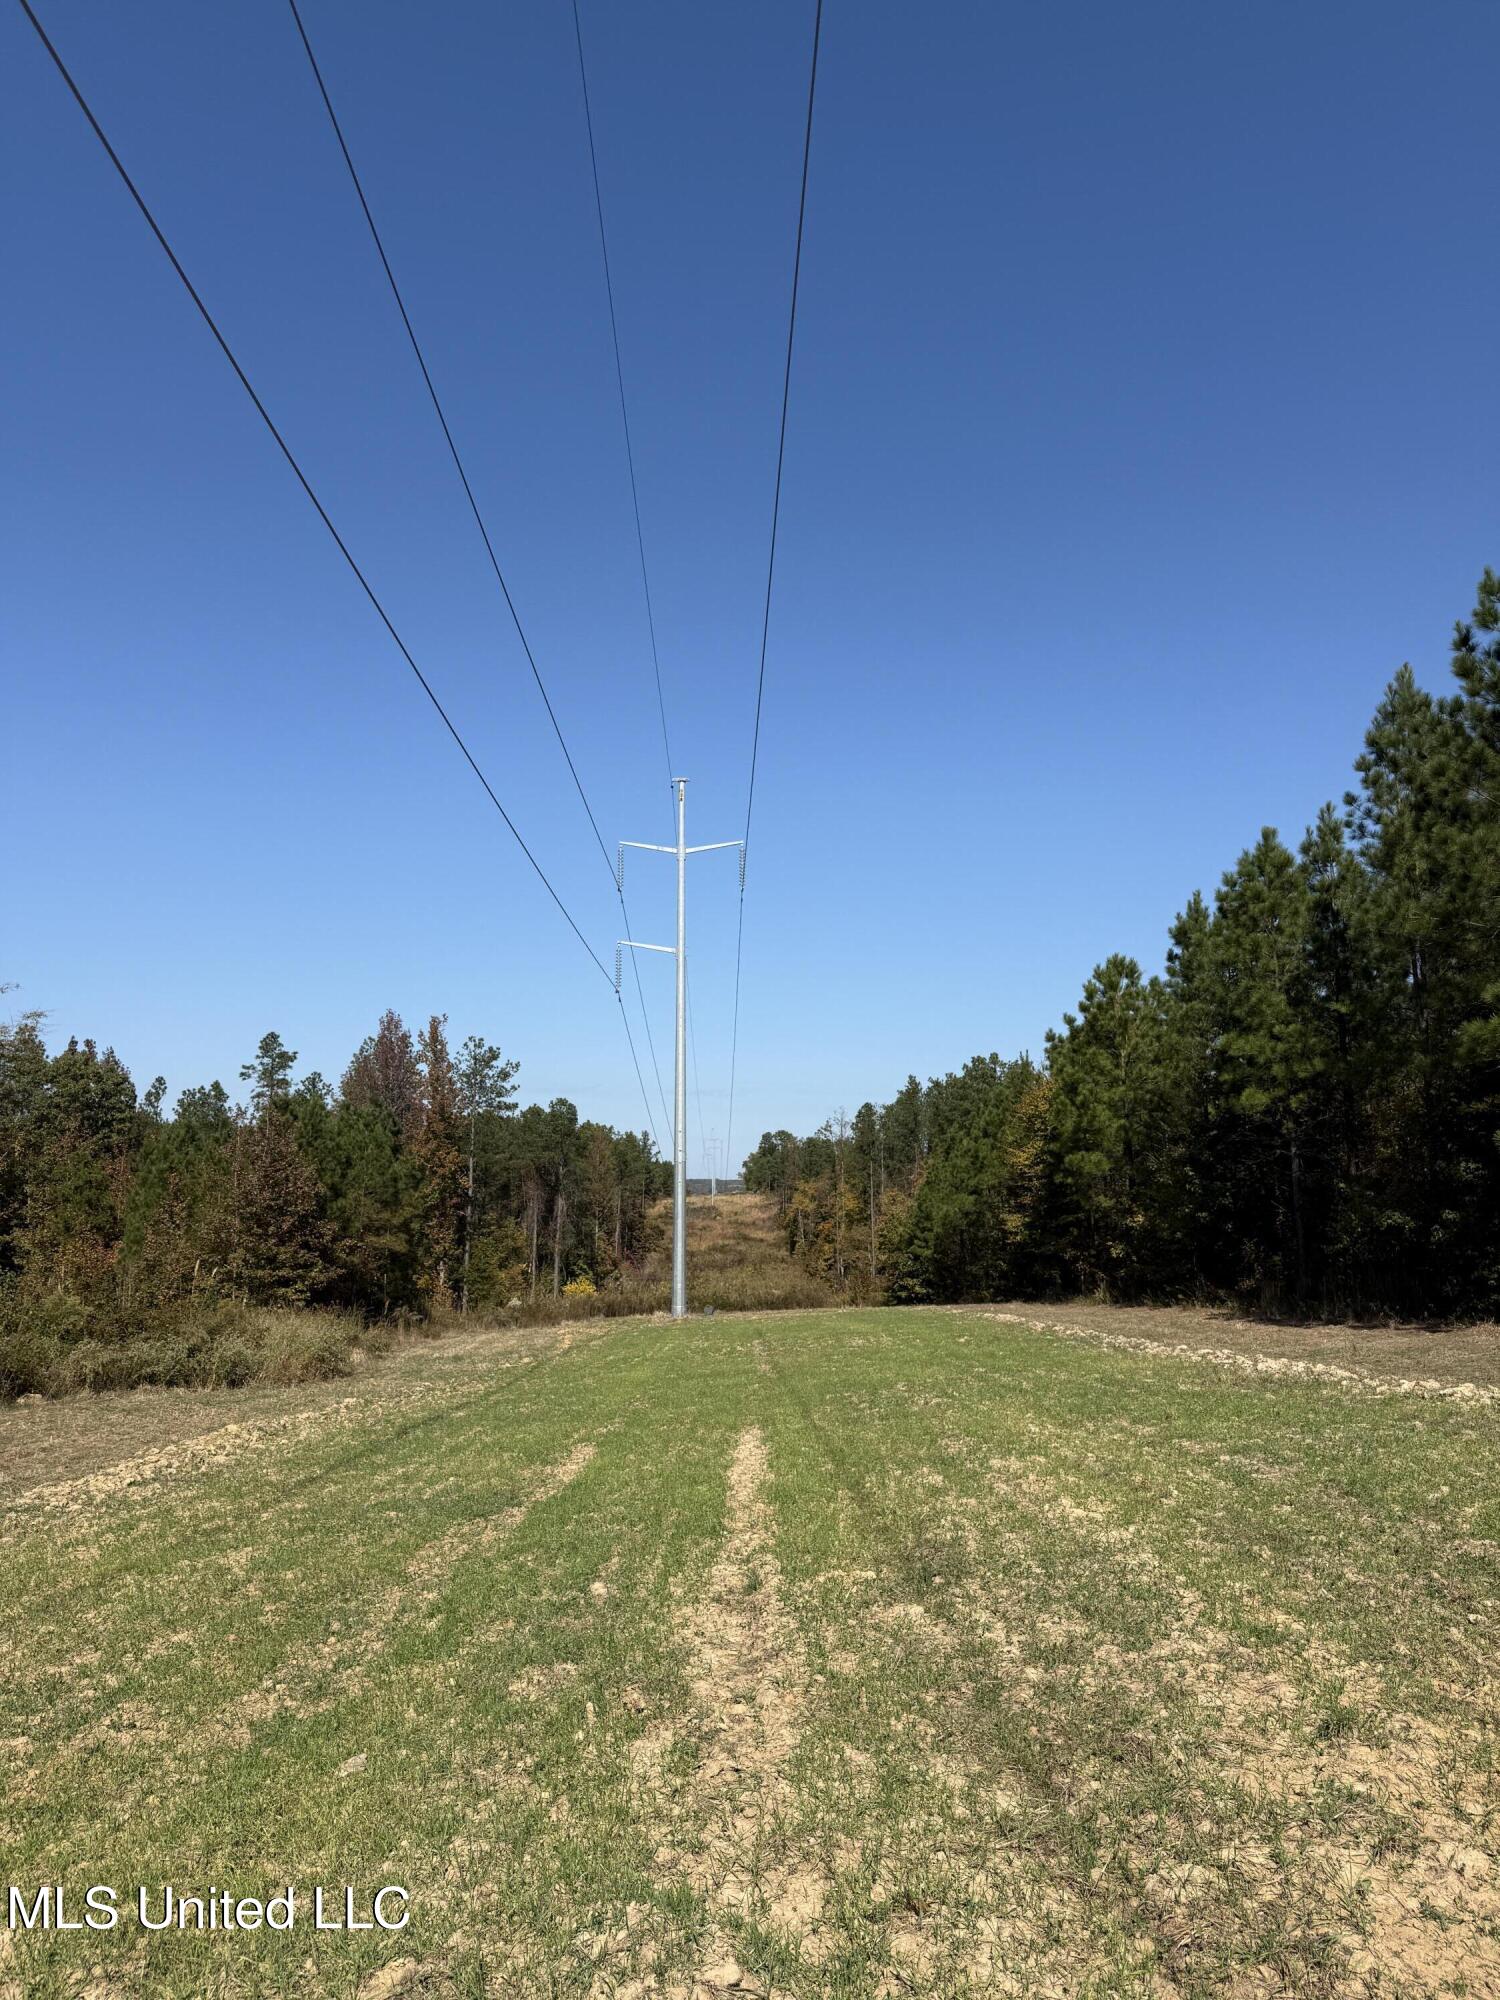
[820, 1654]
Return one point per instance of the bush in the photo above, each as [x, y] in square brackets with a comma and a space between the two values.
[55, 1346]
[306, 1346]
[28, 1362]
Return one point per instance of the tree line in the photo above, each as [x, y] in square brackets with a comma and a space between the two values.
[1301, 1111]
[416, 1185]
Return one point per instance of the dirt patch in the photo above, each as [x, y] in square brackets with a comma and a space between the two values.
[1385, 1822]
[1394, 1840]
[198, 1454]
[748, 1674]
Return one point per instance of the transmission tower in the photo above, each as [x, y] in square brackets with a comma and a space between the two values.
[679, 952]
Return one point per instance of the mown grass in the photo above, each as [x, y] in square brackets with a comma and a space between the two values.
[1050, 1671]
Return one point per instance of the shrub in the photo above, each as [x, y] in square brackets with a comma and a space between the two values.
[306, 1346]
[28, 1362]
[54, 1347]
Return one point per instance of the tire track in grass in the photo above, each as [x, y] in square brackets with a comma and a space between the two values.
[423, 1376]
[553, 1866]
[1340, 1859]
[314, 1676]
[360, 1553]
[747, 1673]
[552, 1848]
[884, 1880]
[939, 1877]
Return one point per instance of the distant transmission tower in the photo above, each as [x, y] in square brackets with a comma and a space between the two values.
[679, 1095]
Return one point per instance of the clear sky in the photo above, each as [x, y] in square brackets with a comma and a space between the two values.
[1142, 423]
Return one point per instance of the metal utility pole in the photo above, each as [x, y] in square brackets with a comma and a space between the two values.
[679, 1094]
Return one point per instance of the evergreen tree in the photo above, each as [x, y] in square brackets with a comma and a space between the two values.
[438, 1149]
[486, 1090]
[1099, 1067]
[1269, 1064]
[269, 1075]
[23, 1093]
[270, 1233]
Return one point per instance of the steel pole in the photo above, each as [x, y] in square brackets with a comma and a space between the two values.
[679, 1107]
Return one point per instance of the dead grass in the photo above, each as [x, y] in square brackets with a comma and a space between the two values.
[738, 1261]
[147, 1433]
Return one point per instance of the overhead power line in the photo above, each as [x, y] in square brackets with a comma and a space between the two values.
[307, 487]
[635, 498]
[697, 1079]
[416, 348]
[302, 479]
[786, 396]
[614, 329]
[765, 627]
[479, 520]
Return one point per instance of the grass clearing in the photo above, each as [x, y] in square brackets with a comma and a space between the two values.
[847, 1655]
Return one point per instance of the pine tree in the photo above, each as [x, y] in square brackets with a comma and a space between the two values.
[1424, 820]
[1098, 1066]
[23, 1091]
[273, 1239]
[486, 1089]
[1343, 1022]
[269, 1075]
[1269, 1063]
[437, 1148]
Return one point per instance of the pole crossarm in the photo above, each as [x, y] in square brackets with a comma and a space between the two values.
[623, 945]
[649, 846]
[713, 847]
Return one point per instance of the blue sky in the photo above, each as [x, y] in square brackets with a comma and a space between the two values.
[1142, 424]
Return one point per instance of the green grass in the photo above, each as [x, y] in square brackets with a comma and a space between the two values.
[1000, 1665]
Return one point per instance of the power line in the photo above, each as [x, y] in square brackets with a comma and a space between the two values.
[614, 329]
[306, 485]
[301, 476]
[645, 1097]
[697, 1080]
[765, 628]
[458, 463]
[786, 393]
[479, 522]
[635, 498]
